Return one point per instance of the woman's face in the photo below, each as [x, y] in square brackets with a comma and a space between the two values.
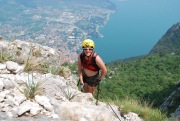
[88, 51]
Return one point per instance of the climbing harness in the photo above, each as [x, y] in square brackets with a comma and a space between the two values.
[97, 98]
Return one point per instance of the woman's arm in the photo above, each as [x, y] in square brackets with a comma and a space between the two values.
[80, 70]
[102, 67]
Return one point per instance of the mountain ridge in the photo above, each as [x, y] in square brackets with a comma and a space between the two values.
[170, 41]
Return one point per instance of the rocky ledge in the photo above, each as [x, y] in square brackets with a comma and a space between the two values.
[20, 51]
[56, 97]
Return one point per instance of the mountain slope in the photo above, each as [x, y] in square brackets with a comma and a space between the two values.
[170, 41]
[151, 77]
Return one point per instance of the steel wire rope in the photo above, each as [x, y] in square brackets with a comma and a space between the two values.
[100, 92]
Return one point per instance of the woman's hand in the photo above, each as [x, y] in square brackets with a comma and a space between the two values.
[82, 85]
[97, 82]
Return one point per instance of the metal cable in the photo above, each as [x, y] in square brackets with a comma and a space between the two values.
[99, 92]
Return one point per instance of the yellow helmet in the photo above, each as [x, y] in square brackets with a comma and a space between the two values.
[88, 43]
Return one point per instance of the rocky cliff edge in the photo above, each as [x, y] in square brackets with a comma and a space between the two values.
[57, 97]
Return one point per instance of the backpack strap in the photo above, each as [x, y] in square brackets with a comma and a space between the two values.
[81, 56]
[94, 60]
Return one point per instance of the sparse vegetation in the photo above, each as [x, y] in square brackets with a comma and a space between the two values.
[32, 63]
[31, 87]
[72, 66]
[53, 70]
[68, 93]
[141, 107]
[36, 52]
[27, 63]
[4, 56]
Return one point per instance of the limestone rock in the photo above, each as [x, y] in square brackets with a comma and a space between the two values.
[57, 99]
[1, 84]
[177, 113]
[44, 101]
[24, 107]
[12, 66]
[2, 66]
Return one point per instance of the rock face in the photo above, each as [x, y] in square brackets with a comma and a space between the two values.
[57, 98]
[173, 102]
[20, 51]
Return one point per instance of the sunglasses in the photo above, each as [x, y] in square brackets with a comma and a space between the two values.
[87, 48]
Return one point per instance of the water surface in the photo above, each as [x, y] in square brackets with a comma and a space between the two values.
[136, 27]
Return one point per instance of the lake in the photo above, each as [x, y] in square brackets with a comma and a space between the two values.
[136, 27]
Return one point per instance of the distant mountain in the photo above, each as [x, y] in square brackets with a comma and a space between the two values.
[170, 41]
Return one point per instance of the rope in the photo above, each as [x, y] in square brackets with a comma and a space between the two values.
[99, 92]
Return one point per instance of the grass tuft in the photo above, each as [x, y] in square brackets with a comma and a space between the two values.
[31, 88]
[142, 108]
